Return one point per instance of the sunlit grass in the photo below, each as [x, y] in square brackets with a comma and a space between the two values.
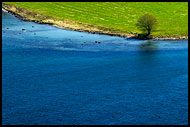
[172, 16]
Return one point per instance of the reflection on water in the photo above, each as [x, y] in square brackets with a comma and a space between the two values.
[54, 76]
[147, 46]
[150, 48]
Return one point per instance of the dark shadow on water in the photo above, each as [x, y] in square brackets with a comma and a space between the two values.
[149, 46]
[148, 51]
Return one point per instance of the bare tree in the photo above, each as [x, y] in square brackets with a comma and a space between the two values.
[147, 23]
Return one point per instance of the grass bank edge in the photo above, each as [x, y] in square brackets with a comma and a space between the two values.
[28, 15]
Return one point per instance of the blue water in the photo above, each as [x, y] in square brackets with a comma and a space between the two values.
[52, 76]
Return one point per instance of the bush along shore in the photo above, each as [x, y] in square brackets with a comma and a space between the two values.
[27, 15]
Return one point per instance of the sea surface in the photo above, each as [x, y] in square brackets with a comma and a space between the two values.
[52, 76]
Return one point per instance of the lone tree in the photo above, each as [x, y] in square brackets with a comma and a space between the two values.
[147, 23]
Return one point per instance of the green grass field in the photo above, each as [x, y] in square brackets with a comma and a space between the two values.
[172, 16]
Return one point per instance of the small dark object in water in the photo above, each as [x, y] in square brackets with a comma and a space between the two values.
[32, 26]
[84, 42]
[34, 33]
[96, 42]
[7, 28]
[23, 29]
[99, 42]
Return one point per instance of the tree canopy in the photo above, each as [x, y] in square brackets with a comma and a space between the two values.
[147, 23]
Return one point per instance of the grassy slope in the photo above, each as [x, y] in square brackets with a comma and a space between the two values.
[172, 16]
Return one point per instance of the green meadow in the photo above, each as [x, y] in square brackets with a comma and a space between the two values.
[122, 16]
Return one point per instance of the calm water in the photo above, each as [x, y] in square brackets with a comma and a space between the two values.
[54, 76]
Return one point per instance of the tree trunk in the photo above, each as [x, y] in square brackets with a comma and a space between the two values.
[148, 33]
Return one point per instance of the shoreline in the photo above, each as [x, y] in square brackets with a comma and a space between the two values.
[71, 25]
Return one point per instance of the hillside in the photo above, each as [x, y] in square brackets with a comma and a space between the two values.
[117, 18]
